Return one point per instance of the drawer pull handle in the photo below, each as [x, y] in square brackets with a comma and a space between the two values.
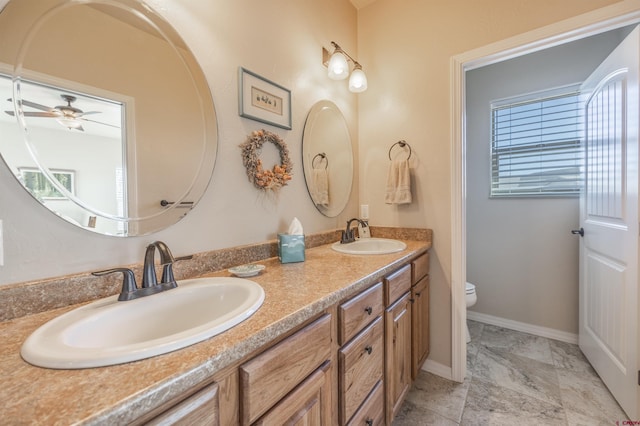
[369, 422]
[368, 310]
[418, 293]
[368, 349]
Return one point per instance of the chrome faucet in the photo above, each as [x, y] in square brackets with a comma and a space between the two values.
[150, 283]
[347, 234]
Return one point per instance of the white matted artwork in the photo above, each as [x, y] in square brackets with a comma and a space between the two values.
[263, 100]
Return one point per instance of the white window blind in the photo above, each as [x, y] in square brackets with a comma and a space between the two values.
[536, 147]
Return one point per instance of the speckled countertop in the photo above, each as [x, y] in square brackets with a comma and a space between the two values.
[118, 394]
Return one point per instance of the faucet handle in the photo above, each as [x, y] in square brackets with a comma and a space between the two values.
[129, 286]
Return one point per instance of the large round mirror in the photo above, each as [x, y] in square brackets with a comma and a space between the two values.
[327, 158]
[105, 116]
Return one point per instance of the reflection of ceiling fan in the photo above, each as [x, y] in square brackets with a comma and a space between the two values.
[67, 115]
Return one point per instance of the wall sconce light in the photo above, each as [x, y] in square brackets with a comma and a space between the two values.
[338, 68]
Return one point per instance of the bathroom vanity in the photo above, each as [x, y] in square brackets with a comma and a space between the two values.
[338, 340]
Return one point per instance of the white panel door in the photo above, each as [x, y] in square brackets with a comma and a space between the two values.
[609, 217]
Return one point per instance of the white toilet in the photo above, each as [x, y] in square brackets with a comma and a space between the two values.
[471, 299]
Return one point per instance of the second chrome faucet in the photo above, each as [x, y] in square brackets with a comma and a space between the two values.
[150, 284]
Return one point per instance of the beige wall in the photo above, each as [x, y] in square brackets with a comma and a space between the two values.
[405, 46]
[279, 39]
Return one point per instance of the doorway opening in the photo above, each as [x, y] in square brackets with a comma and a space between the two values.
[590, 24]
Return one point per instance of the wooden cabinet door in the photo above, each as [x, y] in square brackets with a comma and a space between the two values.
[309, 404]
[420, 325]
[397, 354]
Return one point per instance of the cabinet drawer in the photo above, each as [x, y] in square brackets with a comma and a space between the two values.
[361, 366]
[372, 411]
[270, 376]
[420, 267]
[397, 284]
[358, 312]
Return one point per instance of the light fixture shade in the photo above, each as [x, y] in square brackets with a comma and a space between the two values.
[338, 66]
[70, 123]
[358, 81]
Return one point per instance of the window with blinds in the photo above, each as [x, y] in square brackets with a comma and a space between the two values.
[536, 146]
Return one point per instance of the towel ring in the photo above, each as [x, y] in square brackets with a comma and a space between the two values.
[322, 156]
[402, 144]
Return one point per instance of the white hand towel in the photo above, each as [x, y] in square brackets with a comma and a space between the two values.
[320, 187]
[398, 183]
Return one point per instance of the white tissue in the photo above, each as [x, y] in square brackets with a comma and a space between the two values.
[296, 227]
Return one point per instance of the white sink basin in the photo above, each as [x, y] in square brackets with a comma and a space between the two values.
[108, 332]
[370, 246]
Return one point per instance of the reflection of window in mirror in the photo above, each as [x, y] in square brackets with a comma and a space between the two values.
[37, 183]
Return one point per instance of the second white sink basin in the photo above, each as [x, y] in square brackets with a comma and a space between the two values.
[370, 246]
[108, 332]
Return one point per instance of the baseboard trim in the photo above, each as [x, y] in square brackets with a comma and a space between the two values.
[437, 369]
[537, 330]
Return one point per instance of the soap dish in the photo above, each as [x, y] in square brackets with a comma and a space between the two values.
[246, 270]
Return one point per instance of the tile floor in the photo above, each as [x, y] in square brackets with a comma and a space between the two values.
[513, 378]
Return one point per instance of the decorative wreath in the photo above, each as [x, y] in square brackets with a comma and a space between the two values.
[266, 179]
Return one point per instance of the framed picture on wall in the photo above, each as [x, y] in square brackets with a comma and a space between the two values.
[38, 184]
[263, 100]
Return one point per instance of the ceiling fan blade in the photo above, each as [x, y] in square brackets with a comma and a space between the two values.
[41, 114]
[80, 114]
[35, 114]
[36, 105]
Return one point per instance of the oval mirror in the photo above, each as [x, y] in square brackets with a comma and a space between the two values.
[106, 117]
[327, 158]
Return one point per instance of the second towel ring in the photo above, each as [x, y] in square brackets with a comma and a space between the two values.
[322, 156]
[402, 144]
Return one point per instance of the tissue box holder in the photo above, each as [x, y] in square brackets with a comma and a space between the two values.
[290, 248]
